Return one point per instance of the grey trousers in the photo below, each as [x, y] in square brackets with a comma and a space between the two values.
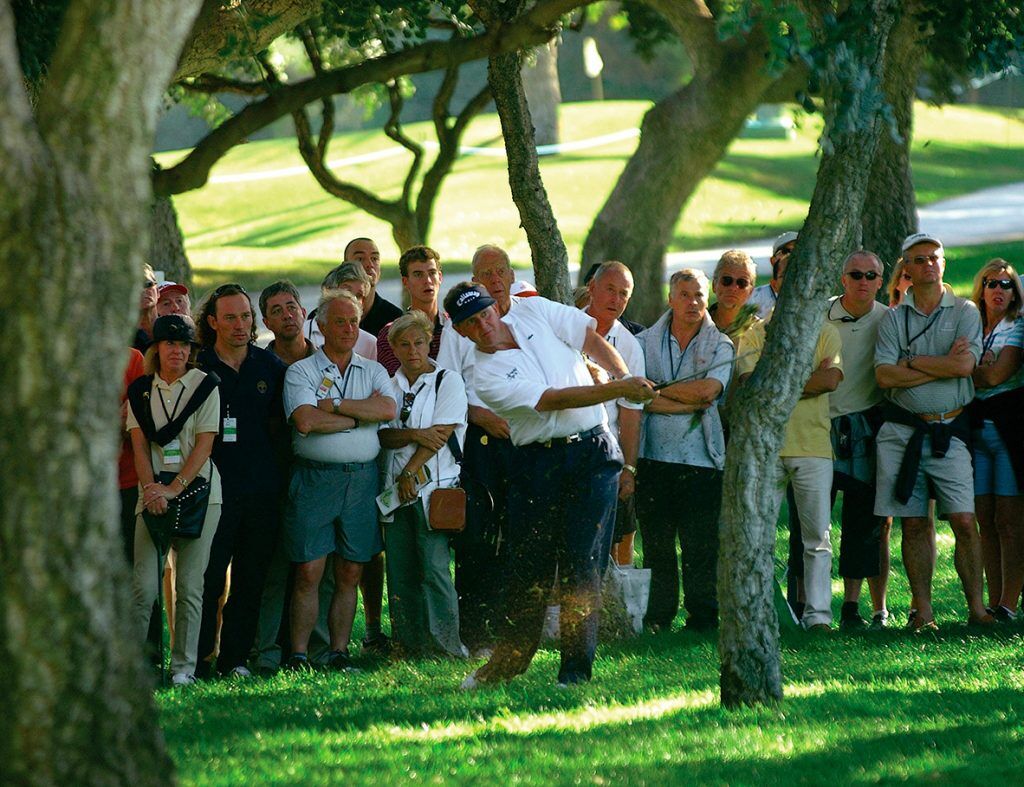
[421, 596]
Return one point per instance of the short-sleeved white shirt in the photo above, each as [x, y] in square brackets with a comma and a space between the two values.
[205, 419]
[859, 389]
[318, 377]
[458, 354]
[366, 344]
[433, 405]
[511, 382]
[621, 339]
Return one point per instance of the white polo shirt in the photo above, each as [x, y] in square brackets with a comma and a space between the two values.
[431, 406]
[366, 344]
[511, 382]
[457, 354]
[318, 377]
[632, 353]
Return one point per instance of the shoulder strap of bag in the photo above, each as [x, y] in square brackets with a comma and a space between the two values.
[453, 442]
[172, 429]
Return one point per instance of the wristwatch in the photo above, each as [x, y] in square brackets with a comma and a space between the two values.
[335, 404]
[630, 468]
[406, 474]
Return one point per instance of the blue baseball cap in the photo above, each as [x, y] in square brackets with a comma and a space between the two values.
[470, 301]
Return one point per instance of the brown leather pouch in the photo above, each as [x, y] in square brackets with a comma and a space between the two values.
[447, 510]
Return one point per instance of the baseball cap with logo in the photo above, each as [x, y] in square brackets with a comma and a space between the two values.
[920, 237]
[470, 301]
[169, 286]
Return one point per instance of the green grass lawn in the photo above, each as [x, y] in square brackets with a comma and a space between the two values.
[258, 231]
[863, 707]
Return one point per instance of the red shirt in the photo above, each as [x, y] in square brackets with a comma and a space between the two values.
[126, 475]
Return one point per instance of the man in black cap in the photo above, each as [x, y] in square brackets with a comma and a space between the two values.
[529, 370]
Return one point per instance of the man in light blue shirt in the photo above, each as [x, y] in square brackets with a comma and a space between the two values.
[334, 400]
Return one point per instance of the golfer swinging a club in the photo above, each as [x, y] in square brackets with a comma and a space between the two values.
[530, 371]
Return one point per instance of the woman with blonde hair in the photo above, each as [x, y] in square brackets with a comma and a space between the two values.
[998, 436]
[899, 282]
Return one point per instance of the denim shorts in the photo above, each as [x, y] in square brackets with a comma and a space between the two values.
[993, 471]
[332, 508]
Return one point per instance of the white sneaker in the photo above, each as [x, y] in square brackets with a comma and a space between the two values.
[183, 679]
[241, 671]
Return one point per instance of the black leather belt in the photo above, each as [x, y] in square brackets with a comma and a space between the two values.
[579, 437]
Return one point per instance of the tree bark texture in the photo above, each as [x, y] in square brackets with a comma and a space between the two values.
[682, 138]
[233, 30]
[748, 638]
[543, 92]
[534, 26]
[166, 243]
[550, 257]
[890, 208]
[74, 194]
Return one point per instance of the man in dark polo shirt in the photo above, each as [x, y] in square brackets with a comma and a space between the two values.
[378, 311]
[252, 419]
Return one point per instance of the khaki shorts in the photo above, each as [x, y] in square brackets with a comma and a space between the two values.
[950, 480]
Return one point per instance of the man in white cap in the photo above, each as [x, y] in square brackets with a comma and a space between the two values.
[927, 349]
[172, 298]
[765, 296]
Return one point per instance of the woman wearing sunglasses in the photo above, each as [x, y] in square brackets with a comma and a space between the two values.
[998, 435]
[422, 600]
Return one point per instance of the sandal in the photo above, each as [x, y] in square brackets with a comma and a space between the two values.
[917, 624]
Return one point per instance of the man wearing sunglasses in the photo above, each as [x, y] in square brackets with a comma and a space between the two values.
[246, 453]
[765, 296]
[853, 408]
[927, 349]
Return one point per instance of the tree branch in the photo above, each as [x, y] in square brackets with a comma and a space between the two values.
[531, 28]
[448, 151]
[211, 83]
[393, 130]
[222, 28]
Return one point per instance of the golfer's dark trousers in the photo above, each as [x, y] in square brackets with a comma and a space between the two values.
[249, 527]
[860, 537]
[561, 505]
[485, 476]
[685, 501]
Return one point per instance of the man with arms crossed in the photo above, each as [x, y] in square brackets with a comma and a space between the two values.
[334, 401]
[927, 349]
[529, 369]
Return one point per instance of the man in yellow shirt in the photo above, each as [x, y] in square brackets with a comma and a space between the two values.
[805, 461]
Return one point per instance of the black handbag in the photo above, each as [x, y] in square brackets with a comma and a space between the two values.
[184, 516]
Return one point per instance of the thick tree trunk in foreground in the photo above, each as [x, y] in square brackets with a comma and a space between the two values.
[748, 639]
[682, 139]
[166, 243]
[543, 91]
[890, 207]
[74, 195]
[550, 258]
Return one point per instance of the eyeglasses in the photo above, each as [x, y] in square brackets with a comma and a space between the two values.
[858, 275]
[407, 402]
[906, 277]
[783, 252]
[1002, 284]
[921, 259]
[147, 283]
[728, 281]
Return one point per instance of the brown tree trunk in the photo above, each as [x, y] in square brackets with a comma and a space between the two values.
[890, 208]
[166, 243]
[550, 257]
[748, 640]
[682, 138]
[74, 191]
